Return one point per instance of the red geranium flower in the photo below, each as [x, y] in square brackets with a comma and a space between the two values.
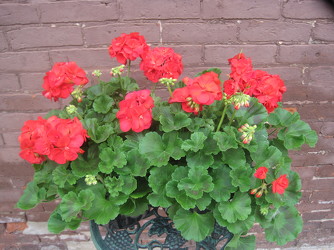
[261, 173]
[59, 81]
[136, 111]
[128, 47]
[202, 90]
[58, 139]
[280, 184]
[161, 63]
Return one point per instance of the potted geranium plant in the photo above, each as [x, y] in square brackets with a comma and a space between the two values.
[214, 153]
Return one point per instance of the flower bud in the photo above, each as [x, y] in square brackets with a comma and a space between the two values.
[71, 109]
[253, 191]
[97, 73]
[259, 194]
[90, 180]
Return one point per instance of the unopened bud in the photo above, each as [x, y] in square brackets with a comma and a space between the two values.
[97, 73]
[259, 194]
[253, 191]
[71, 109]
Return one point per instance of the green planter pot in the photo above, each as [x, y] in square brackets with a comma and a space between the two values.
[151, 231]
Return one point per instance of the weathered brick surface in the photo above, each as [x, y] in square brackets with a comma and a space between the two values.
[18, 14]
[307, 9]
[322, 54]
[324, 31]
[238, 9]
[218, 54]
[190, 32]
[265, 30]
[45, 37]
[103, 34]
[79, 11]
[291, 38]
[160, 9]
[24, 61]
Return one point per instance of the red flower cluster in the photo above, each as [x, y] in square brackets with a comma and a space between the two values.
[261, 173]
[128, 47]
[280, 184]
[58, 139]
[202, 90]
[161, 63]
[260, 84]
[136, 111]
[59, 81]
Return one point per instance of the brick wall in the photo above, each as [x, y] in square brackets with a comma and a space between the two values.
[293, 38]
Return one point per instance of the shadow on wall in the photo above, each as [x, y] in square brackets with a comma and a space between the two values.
[330, 3]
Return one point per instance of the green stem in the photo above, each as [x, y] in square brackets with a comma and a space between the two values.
[231, 120]
[129, 67]
[222, 118]
[170, 90]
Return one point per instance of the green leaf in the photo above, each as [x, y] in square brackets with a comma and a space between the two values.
[72, 204]
[237, 227]
[285, 226]
[199, 159]
[157, 181]
[216, 70]
[193, 226]
[225, 141]
[238, 208]
[55, 223]
[115, 158]
[235, 158]
[137, 165]
[172, 122]
[128, 208]
[254, 114]
[195, 143]
[152, 146]
[114, 185]
[180, 195]
[222, 184]
[128, 84]
[198, 182]
[32, 195]
[97, 132]
[282, 118]
[241, 177]
[103, 209]
[42, 174]
[61, 175]
[158, 150]
[130, 184]
[82, 167]
[266, 156]
[241, 243]
[103, 104]
[298, 134]
[94, 91]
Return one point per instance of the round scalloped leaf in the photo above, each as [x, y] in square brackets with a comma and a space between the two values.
[285, 226]
[241, 243]
[222, 184]
[238, 208]
[193, 226]
[103, 104]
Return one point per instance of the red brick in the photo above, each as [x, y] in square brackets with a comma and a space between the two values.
[10, 195]
[307, 9]
[24, 102]
[85, 58]
[45, 37]
[325, 171]
[11, 217]
[3, 43]
[292, 75]
[15, 121]
[160, 9]
[11, 139]
[327, 128]
[18, 238]
[38, 216]
[32, 81]
[321, 76]
[15, 227]
[18, 14]
[323, 32]
[318, 215]
[295, 92]
[218, 54]
[79, 11]
[321, 197]
[9, 82]
[238, 9]
[305, 172]
[24, 61]
[103, 34]
[307, 54]
[265, 30]
[318, 184]
[198, 33]
[327, 224]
